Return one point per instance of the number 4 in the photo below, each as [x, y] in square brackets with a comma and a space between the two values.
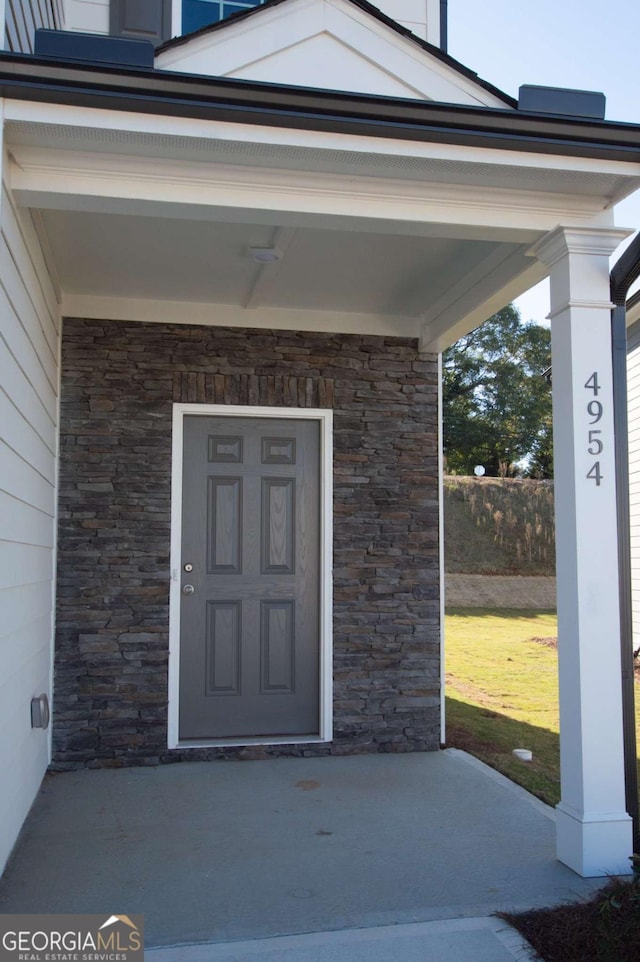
[595, 474]
[591, 384]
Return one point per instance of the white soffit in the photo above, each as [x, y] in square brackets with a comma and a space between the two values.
[599, 180]
[330, 44]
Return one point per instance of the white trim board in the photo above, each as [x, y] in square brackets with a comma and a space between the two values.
[149, 311]
[325, 419]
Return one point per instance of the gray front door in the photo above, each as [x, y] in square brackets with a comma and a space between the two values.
[249, 629]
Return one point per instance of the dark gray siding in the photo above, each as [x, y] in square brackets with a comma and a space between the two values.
[24, 17]
[633, 375]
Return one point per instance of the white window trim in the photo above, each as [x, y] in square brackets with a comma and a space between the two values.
[176, 19]
[325, 419]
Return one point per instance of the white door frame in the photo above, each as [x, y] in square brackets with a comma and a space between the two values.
[325, 420]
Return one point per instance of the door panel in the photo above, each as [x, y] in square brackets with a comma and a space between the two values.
[250, 639]
[277, 645]
[277, 538]
[222, 654]
[224, 525]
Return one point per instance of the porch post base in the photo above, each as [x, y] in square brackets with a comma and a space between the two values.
[595, 845]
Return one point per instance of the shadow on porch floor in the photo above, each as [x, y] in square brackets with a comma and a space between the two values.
[222, 851]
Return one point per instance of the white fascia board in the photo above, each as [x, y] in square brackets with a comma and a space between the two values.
[87, 119]
[238, 48]
[229, 315]
[57, 179]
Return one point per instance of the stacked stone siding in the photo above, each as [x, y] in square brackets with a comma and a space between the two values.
[119, 383]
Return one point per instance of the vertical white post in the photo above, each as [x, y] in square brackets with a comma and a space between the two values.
[594, 832]
[443, 715]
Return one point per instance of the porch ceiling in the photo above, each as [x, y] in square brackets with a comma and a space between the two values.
[210, 261]
[153, 219]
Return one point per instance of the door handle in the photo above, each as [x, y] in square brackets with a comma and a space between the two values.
[188, 590]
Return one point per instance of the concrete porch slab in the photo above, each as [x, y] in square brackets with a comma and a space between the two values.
[471, 940]
[229, 851]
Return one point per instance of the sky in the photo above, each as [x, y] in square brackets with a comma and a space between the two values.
[585, 44]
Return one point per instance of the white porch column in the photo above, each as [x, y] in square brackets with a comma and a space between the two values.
[594, 832]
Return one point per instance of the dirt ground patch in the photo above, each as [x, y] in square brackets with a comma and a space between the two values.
[550, 642]
[500, 591]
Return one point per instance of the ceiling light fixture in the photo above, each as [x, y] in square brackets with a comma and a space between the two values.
[265, 255]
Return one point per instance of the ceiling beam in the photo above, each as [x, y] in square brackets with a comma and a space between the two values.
[502, 276]
[209, 314]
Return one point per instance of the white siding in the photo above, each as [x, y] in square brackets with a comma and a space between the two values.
[29, 350]
[633, 387]
[90, 16]
[422, 17]
[24, 17]
[292, 43]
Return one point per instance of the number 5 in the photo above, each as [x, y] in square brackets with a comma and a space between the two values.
[595, 441]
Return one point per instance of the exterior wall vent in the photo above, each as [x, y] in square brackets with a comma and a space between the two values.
[561, 100]
[94, 48]
[40, 714]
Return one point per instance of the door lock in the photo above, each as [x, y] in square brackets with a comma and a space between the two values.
[188, 590]
[188, 567]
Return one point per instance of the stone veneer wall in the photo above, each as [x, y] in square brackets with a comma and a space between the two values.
[118, 384]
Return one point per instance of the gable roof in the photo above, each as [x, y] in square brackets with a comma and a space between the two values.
[371, 11]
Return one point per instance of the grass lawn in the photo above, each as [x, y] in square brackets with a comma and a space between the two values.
[502, 693]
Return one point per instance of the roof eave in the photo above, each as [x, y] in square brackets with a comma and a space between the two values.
[241, 101]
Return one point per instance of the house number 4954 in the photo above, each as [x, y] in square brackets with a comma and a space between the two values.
[594, 441]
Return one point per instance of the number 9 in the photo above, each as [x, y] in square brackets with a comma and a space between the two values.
[595, 410]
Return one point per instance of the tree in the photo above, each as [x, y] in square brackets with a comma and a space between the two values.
[496, 401]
